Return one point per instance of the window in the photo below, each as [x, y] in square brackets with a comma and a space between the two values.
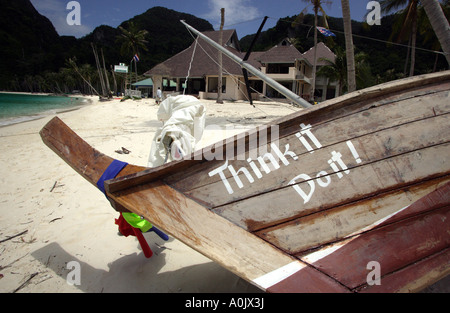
[331, 91]
[214, 81]
[231, 43]
[278, 68]
[169, 84]
[212, 84]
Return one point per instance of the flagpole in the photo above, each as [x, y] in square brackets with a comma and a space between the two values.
[136, 57]
[275, 85]
[131, 73]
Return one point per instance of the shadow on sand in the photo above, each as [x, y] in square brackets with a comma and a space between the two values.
[135, 273]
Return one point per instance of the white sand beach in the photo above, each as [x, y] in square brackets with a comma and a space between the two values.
[59, 217]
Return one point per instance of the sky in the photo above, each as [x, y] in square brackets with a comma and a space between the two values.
[243, 15]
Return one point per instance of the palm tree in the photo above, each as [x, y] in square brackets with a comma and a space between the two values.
[349, 51]
[84, 72]
[317, 6]
[427, 32]
[132, 39]
[336, 70]
[408, 20]
[440, 24]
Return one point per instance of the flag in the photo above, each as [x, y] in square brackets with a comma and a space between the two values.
[136, 58]
[325, 32]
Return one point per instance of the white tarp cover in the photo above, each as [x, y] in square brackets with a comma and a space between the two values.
[183, 120]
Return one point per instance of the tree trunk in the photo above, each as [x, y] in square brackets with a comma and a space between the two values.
[413, 45]
[219, 82]
[440, 24]
[115, 82]
[135, 71]
[108, 87]
[100, 74]
[349, 51]
[313, 81]
[407, 55]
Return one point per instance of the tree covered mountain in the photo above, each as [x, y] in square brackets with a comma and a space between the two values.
[33, 53]
[35, 58]
[386, 60]
[29, 40]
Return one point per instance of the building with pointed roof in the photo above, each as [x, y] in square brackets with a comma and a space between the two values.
[283, 63]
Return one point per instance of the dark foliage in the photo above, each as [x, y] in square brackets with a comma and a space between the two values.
[34, 57]
[33, 53]
[386, 60]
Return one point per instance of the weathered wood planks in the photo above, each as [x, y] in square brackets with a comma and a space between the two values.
[236, 249]
[358, 179]
[77, 153]
[370, 147]
[387, 93]
[416, 234]
[393, 247]
[375, 117]
[85, 160]
[286, 204]
[414, 277]
[328, 226]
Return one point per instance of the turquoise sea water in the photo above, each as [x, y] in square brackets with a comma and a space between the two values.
[17, 108]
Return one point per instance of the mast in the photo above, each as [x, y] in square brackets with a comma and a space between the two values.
[100, 74]
[275, 85]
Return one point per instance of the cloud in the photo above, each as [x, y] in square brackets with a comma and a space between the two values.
[236, 11]
[63, 28]
[56, 12]
[48, 5]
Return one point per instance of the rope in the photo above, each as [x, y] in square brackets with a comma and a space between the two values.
[365, 37]
[233, 77]
[190, 66]
[341, 32]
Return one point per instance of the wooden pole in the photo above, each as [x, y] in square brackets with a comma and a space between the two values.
[440, 24]
[349, 50]
[100, 74]
[115, 81]
[74, 65]
[219, 83]
[108, 86]
[313, 80]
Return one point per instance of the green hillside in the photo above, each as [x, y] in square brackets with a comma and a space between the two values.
[35, 58]
[386, 60]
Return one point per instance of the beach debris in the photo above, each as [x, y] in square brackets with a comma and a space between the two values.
[123, 151]
[44, 278]
[55, 185]
[26, 282]
[14, 236]
[10, 264]
[55, 219]
[162, 247]
[31, 240]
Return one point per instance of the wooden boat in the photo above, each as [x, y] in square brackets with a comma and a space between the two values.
[352, 195]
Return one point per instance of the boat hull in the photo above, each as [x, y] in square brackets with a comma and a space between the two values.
[348, 196]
